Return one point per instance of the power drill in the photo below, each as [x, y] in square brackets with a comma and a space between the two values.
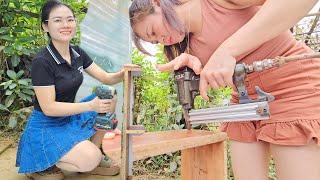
[106, 121]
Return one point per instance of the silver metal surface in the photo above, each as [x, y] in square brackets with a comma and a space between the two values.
[232, 113]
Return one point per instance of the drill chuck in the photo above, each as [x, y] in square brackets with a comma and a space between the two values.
[105, 92]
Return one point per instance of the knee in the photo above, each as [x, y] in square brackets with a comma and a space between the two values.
[90, 159]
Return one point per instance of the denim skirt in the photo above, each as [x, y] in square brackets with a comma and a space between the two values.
[46, 140]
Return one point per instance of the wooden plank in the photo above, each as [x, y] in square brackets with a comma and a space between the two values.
[156, 143]
[135, 132]
[219, 157]
[204, 162]
[187, 168]
[125, 124]
[137, 127]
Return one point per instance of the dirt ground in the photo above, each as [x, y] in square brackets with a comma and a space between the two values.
[8, 171]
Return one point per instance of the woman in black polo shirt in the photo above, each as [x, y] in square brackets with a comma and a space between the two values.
[58, 129]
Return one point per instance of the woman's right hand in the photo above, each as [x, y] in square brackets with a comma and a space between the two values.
[182, 60]
[101, 105]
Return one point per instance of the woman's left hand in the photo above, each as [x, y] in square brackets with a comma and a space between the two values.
[217, 72]
[126, 66]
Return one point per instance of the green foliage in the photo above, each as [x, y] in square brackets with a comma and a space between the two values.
[166, 164]
[217, 97]
[20, 32]
[272, 170]
[20, 28]
[21, 37]
[156, 104]
[16, 88]
[157, 108]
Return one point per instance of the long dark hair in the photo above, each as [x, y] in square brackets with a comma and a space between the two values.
[48, 7]
[141, 8]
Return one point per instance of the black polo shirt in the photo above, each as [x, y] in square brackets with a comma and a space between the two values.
[50, 69]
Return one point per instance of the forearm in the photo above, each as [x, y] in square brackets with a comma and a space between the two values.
[65, 109]
[274, 17]
[112, 78]
[103, 76]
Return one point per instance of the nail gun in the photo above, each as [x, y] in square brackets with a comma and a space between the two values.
[247, 110]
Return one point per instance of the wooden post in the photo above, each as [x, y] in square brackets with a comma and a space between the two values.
[204, 162]
[126, 135]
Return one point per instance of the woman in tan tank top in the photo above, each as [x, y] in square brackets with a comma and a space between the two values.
[215, 35]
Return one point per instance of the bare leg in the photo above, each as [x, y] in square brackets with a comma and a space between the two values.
[97, 138]
[84, 157]
[297, 162]
[250, 160]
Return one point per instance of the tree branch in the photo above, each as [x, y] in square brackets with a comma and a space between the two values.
[19, 11]
[313, 14]
[312, 28]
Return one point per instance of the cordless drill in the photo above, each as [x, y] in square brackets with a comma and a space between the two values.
[106, 121]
